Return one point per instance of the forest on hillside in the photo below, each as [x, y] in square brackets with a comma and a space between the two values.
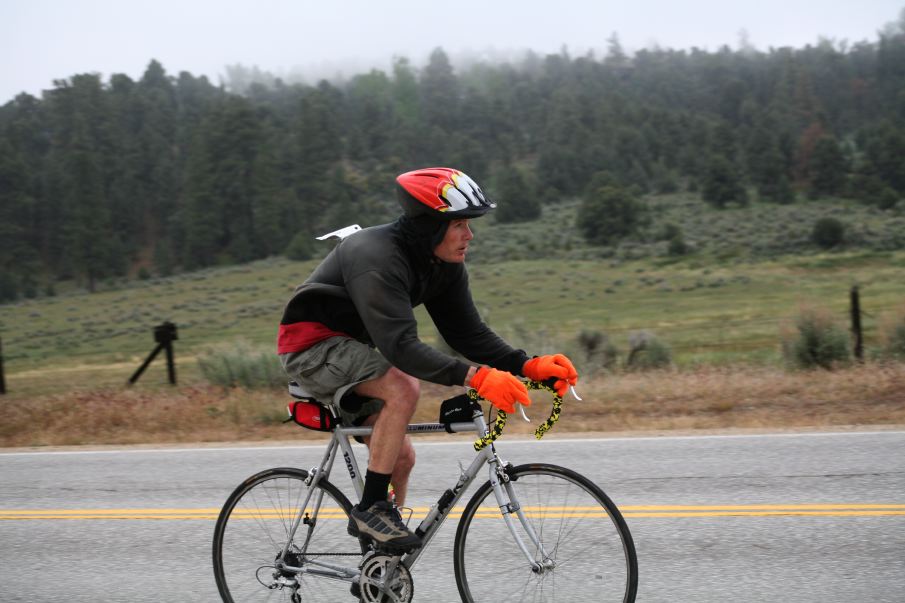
[170, 172]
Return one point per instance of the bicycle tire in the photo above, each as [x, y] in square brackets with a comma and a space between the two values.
[590, 551]
[253, 527]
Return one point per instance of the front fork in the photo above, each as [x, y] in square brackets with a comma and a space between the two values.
[508, 502]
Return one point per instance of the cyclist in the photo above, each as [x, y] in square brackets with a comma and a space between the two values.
[349, 333]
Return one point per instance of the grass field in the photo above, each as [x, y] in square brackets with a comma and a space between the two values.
[708, 315]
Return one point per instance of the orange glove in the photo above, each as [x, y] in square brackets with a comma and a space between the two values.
[500, 388]
[557, 366]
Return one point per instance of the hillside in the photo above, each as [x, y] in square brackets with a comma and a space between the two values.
[725, 302]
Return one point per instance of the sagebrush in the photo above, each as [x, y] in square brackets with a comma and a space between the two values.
[817, 341]
[242, 364]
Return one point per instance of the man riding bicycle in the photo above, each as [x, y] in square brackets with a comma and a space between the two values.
[349, 333]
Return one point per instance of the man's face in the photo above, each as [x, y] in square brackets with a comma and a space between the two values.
[455, 242]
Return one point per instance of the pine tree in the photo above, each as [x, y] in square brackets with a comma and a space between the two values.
[156, 141]
[828, 168]
[722, 184]
[516, 200]
[219, 218]
[86, 245]
[17, 256]
[440, 93]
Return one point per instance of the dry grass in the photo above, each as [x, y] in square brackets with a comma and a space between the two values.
[124, 416]
[715, 398]
[709, 398]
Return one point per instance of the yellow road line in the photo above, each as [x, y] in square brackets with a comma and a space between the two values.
[769, 513]
[821, 506]
[489, 512]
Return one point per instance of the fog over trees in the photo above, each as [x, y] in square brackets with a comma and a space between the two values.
[170, 172]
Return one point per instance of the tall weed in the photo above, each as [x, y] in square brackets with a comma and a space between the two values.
[816, 341]
[647, 352]
[241, 364]
[892, 333]
[598, 353]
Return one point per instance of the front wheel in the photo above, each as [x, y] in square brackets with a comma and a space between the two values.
[253, 530]
[581, 548]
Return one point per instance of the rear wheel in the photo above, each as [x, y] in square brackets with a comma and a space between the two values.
[585, 551]
[253, 529]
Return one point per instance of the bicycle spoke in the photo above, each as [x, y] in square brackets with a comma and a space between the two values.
[254, 529]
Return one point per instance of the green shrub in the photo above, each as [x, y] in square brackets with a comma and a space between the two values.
[892, 332]
[816, 341]
[300, 248]
[241, 364]
[597, 352]
[647, 352]
[608, 215]
[677, 245]
[828, 233]
[669, 231]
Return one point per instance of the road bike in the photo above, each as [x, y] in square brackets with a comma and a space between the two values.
[531, 532]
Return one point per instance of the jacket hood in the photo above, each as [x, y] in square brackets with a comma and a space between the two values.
[420, 235]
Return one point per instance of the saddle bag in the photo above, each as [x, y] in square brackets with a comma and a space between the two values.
[311, 414]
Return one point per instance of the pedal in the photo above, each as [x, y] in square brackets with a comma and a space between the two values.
[393, 551]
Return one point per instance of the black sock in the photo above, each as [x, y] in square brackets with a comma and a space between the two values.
[376, 486]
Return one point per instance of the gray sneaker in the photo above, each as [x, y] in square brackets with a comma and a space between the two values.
[382, 523]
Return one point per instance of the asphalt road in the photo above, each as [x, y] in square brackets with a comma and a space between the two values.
[783, 517]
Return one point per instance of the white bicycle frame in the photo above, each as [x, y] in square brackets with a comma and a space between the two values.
[499, 481]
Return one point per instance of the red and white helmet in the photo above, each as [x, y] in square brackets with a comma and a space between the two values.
[442, 193]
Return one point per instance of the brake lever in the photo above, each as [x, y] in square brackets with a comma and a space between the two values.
[521, 409]
[574, 393]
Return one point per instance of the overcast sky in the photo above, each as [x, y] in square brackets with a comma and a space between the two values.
[43, 40]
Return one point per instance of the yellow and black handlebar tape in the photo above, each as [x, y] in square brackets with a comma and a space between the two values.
[498, 425]
[554, 414]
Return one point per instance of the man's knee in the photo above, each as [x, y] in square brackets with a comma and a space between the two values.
[398, 390]
[409, 387]
[402, 391]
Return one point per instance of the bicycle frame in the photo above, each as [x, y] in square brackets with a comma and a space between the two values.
[438, 512]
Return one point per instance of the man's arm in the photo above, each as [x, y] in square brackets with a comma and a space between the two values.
[382, 300]
[460, 324]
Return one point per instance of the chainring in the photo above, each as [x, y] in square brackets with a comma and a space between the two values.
[373, 568]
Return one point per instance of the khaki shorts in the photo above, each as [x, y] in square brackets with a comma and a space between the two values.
[330, 368]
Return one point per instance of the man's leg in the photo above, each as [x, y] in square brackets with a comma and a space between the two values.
[391, 454]
[373, 516]
[403, 467]
[399, 393]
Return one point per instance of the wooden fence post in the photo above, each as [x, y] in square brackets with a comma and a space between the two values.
[856, 324]
[2, 378]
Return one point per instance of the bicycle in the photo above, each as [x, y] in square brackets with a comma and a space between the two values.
[532, 532]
